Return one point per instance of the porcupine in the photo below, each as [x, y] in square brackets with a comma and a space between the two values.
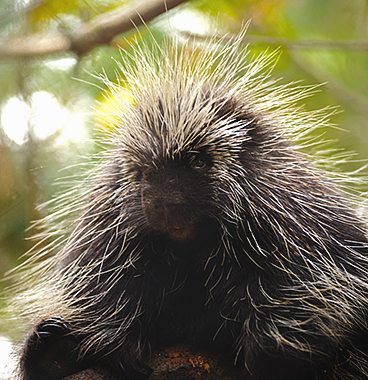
[206, 226]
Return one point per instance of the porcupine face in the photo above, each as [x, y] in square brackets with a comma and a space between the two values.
[174, 195]
[180, 172]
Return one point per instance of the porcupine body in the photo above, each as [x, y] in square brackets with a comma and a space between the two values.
[206, 227]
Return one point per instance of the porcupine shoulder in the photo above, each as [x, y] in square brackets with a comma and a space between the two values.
[206, 227]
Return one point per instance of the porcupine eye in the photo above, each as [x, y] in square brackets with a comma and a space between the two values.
[199, 161]
[199, 164]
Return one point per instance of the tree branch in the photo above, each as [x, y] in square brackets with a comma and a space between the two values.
[293, 44]
[34, 46]
[178, 363]
[308, 44]
[100, 30]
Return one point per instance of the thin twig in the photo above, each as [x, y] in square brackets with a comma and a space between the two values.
[308, 44]
[293, 44]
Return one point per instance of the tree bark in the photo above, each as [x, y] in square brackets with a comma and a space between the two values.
[178, 363]
[100, 30]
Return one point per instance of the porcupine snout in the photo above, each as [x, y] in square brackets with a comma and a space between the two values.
[168, 202]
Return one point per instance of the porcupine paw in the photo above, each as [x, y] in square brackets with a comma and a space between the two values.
[50, 351]
[48, 330]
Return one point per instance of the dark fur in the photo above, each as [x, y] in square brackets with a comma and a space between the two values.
[237, 246]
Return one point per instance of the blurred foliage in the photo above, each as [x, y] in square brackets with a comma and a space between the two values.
[30, 165]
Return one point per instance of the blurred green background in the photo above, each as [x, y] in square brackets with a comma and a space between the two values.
[48, 122]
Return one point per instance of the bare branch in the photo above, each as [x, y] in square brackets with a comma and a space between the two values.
[34, 46]
[104, 28]
[308, 44]
[293, 44]
[100, 30]
[178, 363]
